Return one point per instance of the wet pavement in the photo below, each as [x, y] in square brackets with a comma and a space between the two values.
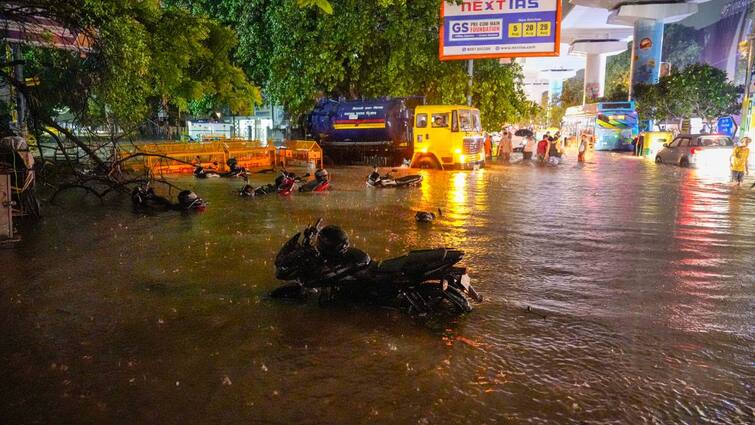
[617, 291]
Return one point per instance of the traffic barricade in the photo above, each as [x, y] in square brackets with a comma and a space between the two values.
[300, 153]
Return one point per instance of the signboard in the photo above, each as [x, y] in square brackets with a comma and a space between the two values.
[476, 29]
[727, 126]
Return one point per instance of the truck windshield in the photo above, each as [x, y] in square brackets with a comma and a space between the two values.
[469, 120]
[476, 120]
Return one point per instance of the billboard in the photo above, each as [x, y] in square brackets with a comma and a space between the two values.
[476, 29]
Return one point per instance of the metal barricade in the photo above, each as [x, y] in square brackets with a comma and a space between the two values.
[176, 158]
[300, 153]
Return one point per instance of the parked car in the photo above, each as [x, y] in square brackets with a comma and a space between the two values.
[697, 150]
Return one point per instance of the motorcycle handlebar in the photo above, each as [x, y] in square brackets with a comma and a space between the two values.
[311, 231]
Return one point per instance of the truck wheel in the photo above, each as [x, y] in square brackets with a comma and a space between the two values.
[684, 162]
[427, 162]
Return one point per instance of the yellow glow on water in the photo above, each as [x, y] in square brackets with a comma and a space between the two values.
[458, 194]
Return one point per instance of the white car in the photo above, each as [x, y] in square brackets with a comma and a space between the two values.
[697, 150]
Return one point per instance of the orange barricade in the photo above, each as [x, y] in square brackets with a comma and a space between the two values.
[300, 153]
[172, 158]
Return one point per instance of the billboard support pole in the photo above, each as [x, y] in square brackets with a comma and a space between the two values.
[470, 73]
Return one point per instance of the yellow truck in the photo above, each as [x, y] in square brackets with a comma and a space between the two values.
[447, 137]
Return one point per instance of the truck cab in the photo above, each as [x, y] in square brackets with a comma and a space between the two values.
[447, 137]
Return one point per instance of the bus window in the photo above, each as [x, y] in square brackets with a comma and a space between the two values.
[421, 120]
[440, 120]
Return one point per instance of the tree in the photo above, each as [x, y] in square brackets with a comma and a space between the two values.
[698, 90]
[363, 49]
[145, 56]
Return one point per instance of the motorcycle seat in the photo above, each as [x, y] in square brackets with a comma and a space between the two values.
[420, 261]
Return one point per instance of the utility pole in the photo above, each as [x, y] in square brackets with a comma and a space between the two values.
[744, 124]
[18, 71]
[470, 73]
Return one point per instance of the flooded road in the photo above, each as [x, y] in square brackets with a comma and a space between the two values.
[616, 292]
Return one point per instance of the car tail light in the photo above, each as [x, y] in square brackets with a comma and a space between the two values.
[694, 151]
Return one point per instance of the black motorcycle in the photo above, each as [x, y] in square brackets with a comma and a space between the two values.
[233, 166]
[421, 283]
[144, 198]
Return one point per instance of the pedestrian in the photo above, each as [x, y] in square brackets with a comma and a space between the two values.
[738, 161]
[554, 152]
[582, 149]
[542, 149]
[506, 147]
[529, 148]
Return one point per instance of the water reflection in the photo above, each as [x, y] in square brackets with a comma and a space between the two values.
[637, 278]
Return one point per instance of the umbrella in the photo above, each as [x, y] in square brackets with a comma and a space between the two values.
[523, 132]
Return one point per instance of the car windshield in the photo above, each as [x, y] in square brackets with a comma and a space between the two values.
[715, 141]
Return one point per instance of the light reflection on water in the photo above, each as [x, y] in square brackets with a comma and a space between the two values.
[639, 280]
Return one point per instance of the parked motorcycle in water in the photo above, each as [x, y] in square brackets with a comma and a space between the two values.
[321, 182]
[144, 198]
[233, 166]
[376, 180]
[423, 282]
[284, 184]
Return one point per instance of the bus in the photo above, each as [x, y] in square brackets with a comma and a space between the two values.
[447, 137]
[611, 126]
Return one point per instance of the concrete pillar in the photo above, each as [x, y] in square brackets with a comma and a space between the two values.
[595, 52]
[595, 77]
[646, 51]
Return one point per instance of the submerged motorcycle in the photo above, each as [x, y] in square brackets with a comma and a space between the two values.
[421, 283]
[376, 180]
[234, 170]
[144, 198]
[321, 182]
[284, 184]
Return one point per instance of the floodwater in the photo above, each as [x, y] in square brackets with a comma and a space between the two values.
[616, 292]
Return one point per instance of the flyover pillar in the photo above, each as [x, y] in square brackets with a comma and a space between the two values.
[646, 51]
[595, 77]
[595, 52]
[648, 20]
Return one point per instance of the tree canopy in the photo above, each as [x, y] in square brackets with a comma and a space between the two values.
[145, 56]
[696, 91]
[363, 49]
